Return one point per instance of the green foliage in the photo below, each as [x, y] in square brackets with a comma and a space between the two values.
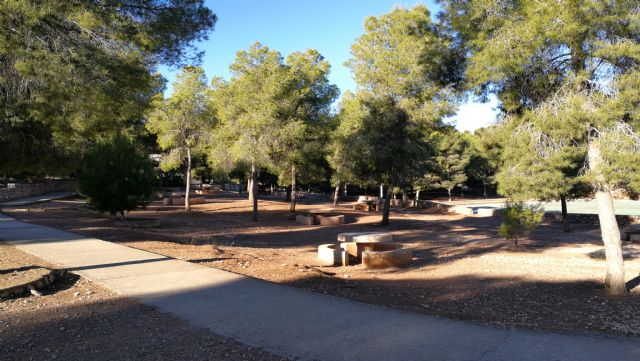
[566, 73]
[248, 108]
[85, 70]
[273, 113]
[305, 113]
[116, 177]
[403, 55]
[519, 220]
[380, 142]
[182, 122]
[452, 158]
[405, 67]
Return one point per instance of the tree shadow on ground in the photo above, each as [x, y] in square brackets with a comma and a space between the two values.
[576, 306]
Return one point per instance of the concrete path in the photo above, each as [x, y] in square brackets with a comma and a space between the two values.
[293, 322]
[37, 199]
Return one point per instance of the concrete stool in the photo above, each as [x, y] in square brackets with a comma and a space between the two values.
[332, 255]
[306, 219]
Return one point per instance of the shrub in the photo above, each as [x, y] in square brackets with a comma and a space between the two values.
[519, 220]
[116, 177]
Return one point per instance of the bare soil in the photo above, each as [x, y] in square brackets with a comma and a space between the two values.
[75, 319]
[461, 269]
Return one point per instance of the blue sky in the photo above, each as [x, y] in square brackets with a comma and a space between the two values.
[330, 26]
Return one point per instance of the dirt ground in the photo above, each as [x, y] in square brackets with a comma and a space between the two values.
[461, 269]
[75, 319]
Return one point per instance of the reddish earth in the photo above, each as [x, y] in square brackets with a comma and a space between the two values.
[461, 268]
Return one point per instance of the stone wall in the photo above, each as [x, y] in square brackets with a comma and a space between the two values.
[23, 190]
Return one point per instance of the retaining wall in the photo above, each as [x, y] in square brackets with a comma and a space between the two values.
[23, 190]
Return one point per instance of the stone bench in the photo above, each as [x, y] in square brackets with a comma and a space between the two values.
[322, 218]
[386, 256]
[207, 191]
[378, 255]
[306, 219]
[180, 201]
[366, 206]
[330, 219]
[631, 230]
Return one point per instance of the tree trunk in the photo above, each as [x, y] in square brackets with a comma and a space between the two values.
[614, 283]
[484, 189]
[381, 190]
[254, 192]
[461, 191]
[449, 192]
[292, 205]
[418, 198]
[287, 196]
[405, 198]
[345, 189]
[336, 194]
[565, 221]
[250, 183]
[387, 206]
[187, 204]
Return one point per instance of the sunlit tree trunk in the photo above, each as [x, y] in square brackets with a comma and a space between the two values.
[250, 187]
[187, 204]
[417, 198]
[449, 192]
[565, 221]
[336, 194]
[254, 192]
[614, 283]
[292, 205]
[381, 190]
[387, 206]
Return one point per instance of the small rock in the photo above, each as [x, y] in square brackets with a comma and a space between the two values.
[76, 294]
[34, 292]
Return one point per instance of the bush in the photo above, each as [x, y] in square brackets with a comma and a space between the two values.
[519, 220]
[116, 177]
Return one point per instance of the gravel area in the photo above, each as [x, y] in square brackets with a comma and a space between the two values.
[461, 269]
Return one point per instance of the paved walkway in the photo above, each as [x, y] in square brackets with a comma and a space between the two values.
[37, 199]
[293, 322]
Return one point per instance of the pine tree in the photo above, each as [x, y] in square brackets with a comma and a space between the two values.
[116, 176]
[567, 74]
[248, 108]
[404, 64]
[183, 122]
[76, 72]
[452, 158]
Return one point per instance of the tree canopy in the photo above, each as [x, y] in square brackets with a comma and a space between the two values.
[567, 74]
[183, 122]
[79, 71]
